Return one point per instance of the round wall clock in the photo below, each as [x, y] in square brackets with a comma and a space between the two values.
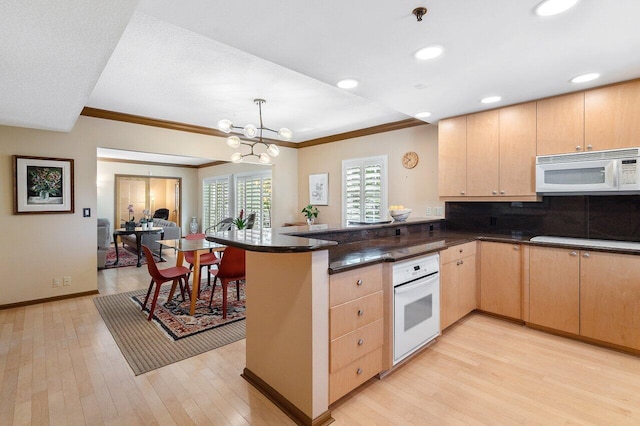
[410, 160]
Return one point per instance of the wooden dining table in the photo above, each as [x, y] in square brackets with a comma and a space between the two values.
[201, 246]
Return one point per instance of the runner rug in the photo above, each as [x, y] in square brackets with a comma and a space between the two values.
[147, 345]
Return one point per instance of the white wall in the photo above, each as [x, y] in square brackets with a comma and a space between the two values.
[415, 188]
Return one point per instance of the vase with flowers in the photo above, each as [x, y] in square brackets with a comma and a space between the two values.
[240, 222]
[130, 225]
[311, 212]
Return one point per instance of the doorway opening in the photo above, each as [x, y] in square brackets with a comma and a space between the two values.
[147, 193]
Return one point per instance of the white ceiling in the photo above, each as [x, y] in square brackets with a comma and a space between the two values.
[199, 61]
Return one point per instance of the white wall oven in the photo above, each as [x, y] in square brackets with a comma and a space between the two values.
[416, 288]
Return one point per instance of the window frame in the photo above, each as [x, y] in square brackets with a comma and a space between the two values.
[384, 184]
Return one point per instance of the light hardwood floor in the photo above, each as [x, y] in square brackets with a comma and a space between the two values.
[60, 365]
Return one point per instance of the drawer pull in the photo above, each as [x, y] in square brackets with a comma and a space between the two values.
[585, 255]
[461, 192]
[360, 312]
[494, 192]
[516, 248]
[589, 147]
[360, 342]
[573, 253]
[359, 282]
[578, 148]
[461, 250]
[359, 371]
[462, 262]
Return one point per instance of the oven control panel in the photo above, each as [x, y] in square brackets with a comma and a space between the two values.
[417, 267]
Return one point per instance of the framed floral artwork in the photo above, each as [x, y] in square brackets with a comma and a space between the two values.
[319, 189]
[42, 185]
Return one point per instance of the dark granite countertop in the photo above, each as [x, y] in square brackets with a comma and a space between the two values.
[356, 254]
[269, 240]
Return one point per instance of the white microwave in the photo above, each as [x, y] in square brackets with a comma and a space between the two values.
[610, 172]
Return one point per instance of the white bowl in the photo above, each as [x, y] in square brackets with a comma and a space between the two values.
[400, 215]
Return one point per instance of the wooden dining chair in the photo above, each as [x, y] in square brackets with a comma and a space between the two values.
[177, 274]
[206, 259]
[231, 269]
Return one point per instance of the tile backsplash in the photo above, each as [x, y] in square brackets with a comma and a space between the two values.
[600, 217]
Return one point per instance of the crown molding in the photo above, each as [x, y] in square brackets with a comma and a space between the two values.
[173, 125]
[382, 128]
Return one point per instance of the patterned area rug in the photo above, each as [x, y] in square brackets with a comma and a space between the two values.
[174, 316]
[145, 345]
[128, 257]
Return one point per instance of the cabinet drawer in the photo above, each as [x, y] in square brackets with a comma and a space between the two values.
[353, 375]
[457, 252]
[355, 314]
[346, 349]
[353, 284]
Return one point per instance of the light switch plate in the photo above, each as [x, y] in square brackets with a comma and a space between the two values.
[86, 212]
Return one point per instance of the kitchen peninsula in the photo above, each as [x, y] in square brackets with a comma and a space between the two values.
[288, 273]
[293, 274]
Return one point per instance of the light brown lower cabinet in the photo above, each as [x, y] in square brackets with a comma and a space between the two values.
[610, 298]
[554, 288]
[356, 329]
[458, 283]
[501, 279]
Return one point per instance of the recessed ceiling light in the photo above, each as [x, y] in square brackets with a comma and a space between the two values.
[429, 53]
[554, 7]
[348, 83]
[490, 99]
[585, 77]
[423, 114]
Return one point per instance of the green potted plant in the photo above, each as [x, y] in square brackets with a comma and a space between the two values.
[311, 212]
[240, 222]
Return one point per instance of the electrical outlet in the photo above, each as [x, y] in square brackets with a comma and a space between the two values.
[56, 282]
[66, 281]
[428, 211]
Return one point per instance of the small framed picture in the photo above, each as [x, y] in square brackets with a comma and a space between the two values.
[319, 189]
[42, 185]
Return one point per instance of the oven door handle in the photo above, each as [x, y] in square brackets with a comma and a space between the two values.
[407, 288]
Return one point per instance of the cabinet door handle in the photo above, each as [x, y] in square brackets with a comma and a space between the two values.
[461, 192]
[589, 147]
[503, 192]
[585, 254]
[359, 371]
[573, 253]
[461, 250]
[516, 248]
[578, 148]
[359, 282]
[360, 342]
[360, 312]
[494, 192]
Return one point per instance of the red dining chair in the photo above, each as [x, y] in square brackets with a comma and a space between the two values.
[206, 259]
[177, 274]
[231, 269]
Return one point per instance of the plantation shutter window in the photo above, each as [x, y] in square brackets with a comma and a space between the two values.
[253, 195]
[215, 200]
[364, 189]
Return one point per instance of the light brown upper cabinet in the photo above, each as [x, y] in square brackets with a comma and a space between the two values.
[612, 116]
[483, 153]
[452, 157]
[560, 124]
[518, 150]
[501, 152]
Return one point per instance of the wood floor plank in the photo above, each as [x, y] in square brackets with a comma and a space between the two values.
[59, 365]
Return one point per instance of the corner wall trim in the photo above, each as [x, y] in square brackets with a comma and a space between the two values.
[284, 404]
